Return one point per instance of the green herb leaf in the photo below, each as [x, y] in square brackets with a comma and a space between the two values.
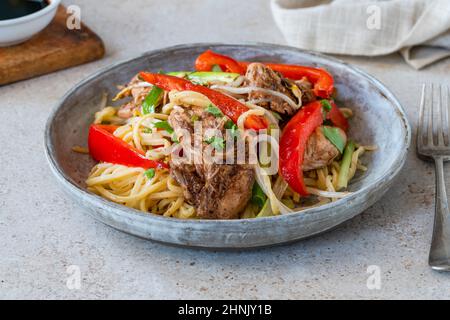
[230, 125]
[258, 196]
[277, 115]
[214, 111]
[148, 130]
[216, 68]
[175, 138]
[217, 143]
[152, 100]
[164, 125]
[334, 135]
[326, 105]
[150, 173]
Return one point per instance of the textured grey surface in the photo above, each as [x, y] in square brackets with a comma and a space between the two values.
[43, 231]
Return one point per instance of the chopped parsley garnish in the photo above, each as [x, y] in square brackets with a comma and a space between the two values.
[164, 125]
[217, 143]
[150, 173]
[214, 111]
[148, 130]
[175, 138]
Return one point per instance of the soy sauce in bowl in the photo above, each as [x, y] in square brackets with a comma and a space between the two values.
[12, 9]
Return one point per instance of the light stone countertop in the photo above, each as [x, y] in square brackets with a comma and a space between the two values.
[43, 232]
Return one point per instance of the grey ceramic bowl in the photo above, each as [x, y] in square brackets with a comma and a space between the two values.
[379, 119]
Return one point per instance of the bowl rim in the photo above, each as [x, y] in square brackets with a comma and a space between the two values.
[131, 213]
[33, 16]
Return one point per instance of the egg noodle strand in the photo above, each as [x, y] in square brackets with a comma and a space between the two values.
[160, 194]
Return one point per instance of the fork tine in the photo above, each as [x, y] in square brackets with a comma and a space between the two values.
[421, 118]
[430, 110]
[440, 119]
[446, 107]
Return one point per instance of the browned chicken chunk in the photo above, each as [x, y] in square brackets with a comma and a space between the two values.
[218, 191]
[319, 152]
[258, 75]
[138, 95]
[306, 89]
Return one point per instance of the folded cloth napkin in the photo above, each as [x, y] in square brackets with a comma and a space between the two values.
[418, 29]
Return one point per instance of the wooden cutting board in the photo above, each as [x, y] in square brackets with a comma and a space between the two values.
[55, 48]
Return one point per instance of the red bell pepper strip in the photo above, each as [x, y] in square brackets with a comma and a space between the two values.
[322, 80]
[207, 60]
[293, 144]
[106, 147]
[229, 106]
[337, 118]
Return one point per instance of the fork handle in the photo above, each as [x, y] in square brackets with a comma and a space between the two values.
[440, 245]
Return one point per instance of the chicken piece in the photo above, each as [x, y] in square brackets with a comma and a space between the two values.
[126, 111]
[319, 152]
[258, 75]
[138, 96]
[218, 191]
[306, 89]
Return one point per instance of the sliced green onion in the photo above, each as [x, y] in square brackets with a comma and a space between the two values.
[229, 125]
[234, 130]
[214, 111]
[217, 143]
[334, 135]
[179, 74]
[150, 173]
[195, 118]
[326, 105]
[151, 100]
[266, 210]
[206, 77]
[288, 203]
[216, 68]
[164, 125]
[345, 166]
[258, 196]
[250, 211]
[276, 115]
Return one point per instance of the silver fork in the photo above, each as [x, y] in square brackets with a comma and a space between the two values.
[433, 143]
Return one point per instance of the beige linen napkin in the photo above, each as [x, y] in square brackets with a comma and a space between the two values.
[419, 29]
